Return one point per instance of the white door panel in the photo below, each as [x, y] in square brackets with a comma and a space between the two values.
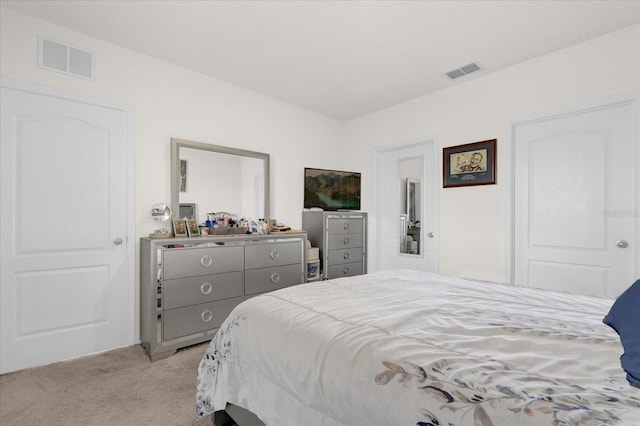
[572, 172]
[66, 286]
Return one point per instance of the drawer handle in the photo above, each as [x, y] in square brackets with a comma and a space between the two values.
[206, 288]
[275, 254]
[206, 315]
[345, 270]
[345, 256]
[275, 277]
[346, 241]
[206, 261]
[346, 226]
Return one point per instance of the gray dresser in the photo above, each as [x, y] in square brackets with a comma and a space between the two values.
[342, 240]
[188, 286]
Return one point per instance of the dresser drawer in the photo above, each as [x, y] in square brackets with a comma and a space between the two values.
[191, 262]
[269, 279]
[338, 257]
[275, 254]
[344, 241]
[207, 288]
[197, 318]
[345, 226]
[345, 270]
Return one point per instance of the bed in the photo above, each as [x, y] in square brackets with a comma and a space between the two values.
[413, 348]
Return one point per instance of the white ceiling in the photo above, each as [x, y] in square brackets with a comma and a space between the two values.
[339, 58]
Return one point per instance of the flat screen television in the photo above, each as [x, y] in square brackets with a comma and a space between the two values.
[331, 189]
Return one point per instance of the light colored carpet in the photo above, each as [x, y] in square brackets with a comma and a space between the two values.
[118, 387]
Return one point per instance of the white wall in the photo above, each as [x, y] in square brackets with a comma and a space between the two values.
[472, 219]
[171, 101]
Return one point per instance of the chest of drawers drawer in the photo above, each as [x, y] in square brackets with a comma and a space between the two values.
[188, 262]
[207, 288]
[196, 318]
[268, 279]
[345, 226]
[340, 256]
[343, 241]
[268, 255]
[345, 270]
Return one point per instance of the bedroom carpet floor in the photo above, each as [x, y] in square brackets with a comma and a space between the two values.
[118, 387]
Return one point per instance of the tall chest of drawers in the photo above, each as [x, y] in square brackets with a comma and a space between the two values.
[342, 240]
[188, 287]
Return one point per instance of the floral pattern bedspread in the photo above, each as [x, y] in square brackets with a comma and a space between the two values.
[411, 348]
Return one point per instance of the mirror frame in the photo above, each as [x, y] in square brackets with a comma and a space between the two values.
[176, 144]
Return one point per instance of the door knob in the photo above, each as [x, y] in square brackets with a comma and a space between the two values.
[622, 244]
[117, 241]
[430, 234]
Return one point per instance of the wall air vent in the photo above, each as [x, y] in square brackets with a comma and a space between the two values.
[462, 71]
[61, 57]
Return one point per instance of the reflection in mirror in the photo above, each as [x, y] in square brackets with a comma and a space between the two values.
[187, 211]
[214, 178]
[403, 233]
[410, 170]
[413, 202]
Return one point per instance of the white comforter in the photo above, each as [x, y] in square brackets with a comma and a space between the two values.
[411, 348]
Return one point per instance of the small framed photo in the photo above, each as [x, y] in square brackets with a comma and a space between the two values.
[469, 164]
[179, 227]
[192, 228]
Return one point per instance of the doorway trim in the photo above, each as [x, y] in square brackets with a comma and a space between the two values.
[428, 143]
[133, 334]
[508, 167]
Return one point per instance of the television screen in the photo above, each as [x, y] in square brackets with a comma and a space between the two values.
[331, 189]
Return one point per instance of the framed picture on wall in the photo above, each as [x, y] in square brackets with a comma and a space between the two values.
[469, 164]
[192, 228]
[179, 227]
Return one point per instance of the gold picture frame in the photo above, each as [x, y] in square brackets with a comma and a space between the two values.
[179, 227]
[192, 228]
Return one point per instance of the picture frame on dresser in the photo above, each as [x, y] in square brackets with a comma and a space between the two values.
[179, 227]
[192, 228]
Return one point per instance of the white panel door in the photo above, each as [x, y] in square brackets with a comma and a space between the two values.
[67, 289]
[575, 199]
[390, 204]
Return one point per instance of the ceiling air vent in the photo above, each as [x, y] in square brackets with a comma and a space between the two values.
[462, 71]
[57, 56]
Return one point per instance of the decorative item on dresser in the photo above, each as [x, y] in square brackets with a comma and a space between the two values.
[188, 286]
[342, 240]
[160, 214]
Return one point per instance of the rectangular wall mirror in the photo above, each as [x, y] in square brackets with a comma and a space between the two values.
[411, 205]
[217, 178]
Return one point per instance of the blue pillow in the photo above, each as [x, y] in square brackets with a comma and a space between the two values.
[624, 318]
